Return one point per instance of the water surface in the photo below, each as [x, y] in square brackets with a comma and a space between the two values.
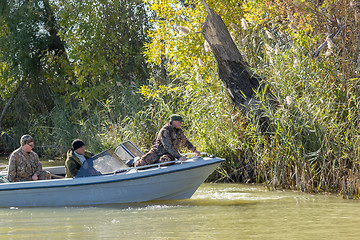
[216, 211]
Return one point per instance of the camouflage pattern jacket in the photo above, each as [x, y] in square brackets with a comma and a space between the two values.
[169, 141]
[73, 163]
[23, 165]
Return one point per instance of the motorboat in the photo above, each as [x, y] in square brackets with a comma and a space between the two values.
[110, 178]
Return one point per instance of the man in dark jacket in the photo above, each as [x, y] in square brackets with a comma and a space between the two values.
[167, 144]
[75, 157]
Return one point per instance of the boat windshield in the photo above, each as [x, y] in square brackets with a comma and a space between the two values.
[127, 150]
[102, 163]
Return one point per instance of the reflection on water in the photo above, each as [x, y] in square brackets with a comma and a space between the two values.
[216, 211]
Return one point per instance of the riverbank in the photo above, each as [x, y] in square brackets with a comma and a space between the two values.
[44, 162]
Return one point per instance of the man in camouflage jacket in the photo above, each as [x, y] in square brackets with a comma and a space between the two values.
[167, 144]
[24, 164]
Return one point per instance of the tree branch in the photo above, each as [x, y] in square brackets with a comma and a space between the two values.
[324, 44]
[7, 105]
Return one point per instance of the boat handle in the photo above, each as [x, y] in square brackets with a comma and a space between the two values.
[146, 166]
[201, 153]
[160, 164]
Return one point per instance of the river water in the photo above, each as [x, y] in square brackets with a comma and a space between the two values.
[216, 211]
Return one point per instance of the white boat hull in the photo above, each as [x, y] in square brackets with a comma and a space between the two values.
[178, 181]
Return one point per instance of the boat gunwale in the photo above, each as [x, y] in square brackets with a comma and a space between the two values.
[70, 183]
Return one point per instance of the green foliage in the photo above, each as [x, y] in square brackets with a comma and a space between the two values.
[27, 42]
[71, 68]
[105, 43]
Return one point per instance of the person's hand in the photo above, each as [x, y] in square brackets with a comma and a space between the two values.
[183, 159]
[35, 177]
[197, 153]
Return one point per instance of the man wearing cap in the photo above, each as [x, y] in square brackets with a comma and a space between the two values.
[167, 144]
[24, 163]
[75, 157]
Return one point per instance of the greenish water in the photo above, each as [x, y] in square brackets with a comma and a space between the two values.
[216, 211]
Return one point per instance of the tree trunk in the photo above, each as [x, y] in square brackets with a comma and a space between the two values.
[4, 111]
[232, 69]
[56, 44]
[7, 105]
